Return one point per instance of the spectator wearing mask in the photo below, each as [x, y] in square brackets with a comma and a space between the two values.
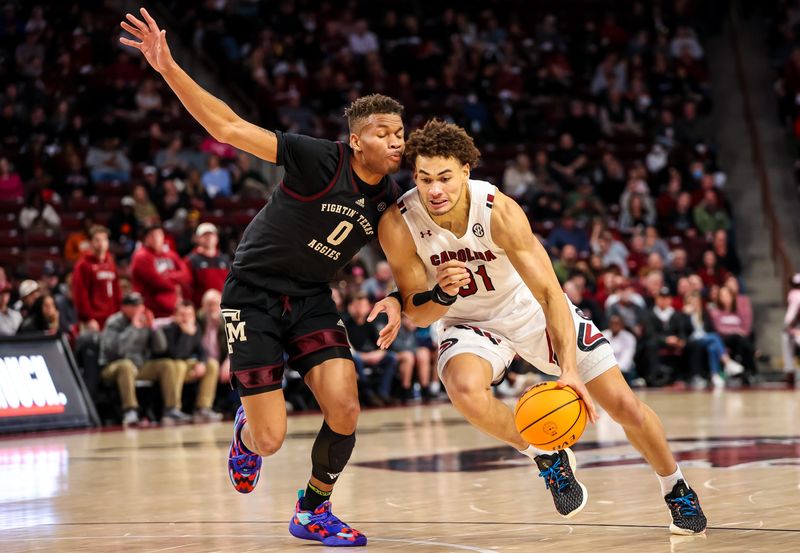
[185, 348]
[129, 351]
[10, 320]
[95, 282]
[623, 342]
[734, 330]
[208, 266]
[376, 287]
[159, 274]
[363, 336]
[43, 317]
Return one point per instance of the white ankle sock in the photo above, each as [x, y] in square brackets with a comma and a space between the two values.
[668, 482]
[532, 452]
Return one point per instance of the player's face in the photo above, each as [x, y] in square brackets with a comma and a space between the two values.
[381, 141]
[440, 182]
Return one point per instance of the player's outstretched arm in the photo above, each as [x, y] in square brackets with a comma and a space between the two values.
[512, 232]
[409, 271]
[212, 113]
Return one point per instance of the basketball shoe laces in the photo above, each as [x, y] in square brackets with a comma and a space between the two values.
[244, 463]
[325, 519]
[686, 505]
[555, 476]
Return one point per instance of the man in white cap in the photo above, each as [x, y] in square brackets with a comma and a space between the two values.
[28, 293]
[209, 267]
[790, 340]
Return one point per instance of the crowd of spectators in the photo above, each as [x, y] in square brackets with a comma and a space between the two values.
[122, 213]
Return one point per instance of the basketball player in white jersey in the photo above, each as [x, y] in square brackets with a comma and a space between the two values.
[463, 254]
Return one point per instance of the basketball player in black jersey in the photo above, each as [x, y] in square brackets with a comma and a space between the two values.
[277, 298]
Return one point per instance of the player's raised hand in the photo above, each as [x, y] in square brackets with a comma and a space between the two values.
[451, 276]
[573, 380]
[152, 40]
[388, 333]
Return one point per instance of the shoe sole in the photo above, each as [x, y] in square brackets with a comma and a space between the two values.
[678, 531]
[573, 463]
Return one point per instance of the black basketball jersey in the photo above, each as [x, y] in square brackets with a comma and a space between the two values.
[297, 242]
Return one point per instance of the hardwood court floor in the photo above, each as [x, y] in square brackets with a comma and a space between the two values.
[420, 480]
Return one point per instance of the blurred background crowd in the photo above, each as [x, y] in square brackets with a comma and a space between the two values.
[120, 215]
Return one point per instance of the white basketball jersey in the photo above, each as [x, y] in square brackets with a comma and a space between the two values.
[496, 296]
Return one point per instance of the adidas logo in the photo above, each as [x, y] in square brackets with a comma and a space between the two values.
[340, 323]
[360, 202]
[334, 475]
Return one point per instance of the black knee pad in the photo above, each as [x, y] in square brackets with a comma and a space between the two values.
[330, 454]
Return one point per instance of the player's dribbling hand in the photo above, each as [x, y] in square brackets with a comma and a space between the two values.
[153, 40]
[573, 380]
[388, 333]
[452, 276]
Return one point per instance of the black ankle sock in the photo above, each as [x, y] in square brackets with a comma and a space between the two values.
[313, 498]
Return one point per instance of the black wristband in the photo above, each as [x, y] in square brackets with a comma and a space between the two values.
[396, 295]
[441, 297]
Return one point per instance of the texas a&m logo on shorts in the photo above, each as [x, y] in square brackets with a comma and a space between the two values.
[234, 327]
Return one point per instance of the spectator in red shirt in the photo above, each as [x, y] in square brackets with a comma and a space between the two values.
[209, 268]
[158, 273]
[10, 182]
[95, 282]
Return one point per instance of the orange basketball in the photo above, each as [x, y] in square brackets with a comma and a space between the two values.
[551, 418]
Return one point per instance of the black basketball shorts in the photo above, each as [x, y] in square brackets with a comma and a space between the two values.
[264, 329]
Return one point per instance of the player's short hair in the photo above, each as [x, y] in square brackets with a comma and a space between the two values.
[441, 139]
[98, 229]
[363, 107]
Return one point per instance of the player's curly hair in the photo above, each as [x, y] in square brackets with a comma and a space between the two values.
[439, 138]
[363, 107]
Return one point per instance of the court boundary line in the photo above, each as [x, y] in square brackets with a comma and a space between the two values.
[394, 522]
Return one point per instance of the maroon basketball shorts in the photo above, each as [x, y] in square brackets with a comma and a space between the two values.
[265, 331]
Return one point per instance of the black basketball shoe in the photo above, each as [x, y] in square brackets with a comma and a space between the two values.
[684, 506]
[558, 471]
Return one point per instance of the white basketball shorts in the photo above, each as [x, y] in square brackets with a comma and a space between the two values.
[497, 343]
